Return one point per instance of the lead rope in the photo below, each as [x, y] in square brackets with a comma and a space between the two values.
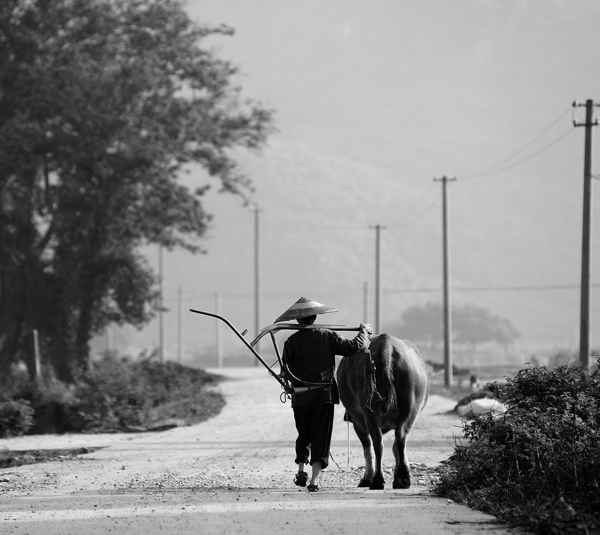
[347, 454]
[348, 450]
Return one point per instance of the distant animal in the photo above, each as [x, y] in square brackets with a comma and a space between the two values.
[382, 389]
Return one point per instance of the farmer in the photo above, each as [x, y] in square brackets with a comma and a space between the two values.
[309, 357]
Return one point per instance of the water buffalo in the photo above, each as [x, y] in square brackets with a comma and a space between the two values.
[400, 378]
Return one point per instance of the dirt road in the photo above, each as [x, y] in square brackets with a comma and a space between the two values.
[232, 474]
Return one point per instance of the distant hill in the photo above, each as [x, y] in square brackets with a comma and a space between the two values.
[373, 101]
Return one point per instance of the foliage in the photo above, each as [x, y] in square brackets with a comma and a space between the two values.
[16, 418]
[103, 104]
[121, 394]
[471, 326]
[54, 404]
[539, 465]
[569, 358]
[12, 381]
[475, 326]
[421, 324]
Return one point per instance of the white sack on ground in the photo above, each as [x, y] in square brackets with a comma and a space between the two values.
[482, 406]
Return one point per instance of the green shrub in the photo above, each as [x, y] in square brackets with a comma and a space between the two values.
[113, 395]
[539, 465]
[121, 393]
[16, 418]
[54, 404]
[13, 380]
[117, 394]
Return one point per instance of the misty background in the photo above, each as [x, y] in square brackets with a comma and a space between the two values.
[373, 101]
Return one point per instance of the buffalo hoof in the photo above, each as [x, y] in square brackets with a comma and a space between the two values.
[365, 482]
[378, 483]
[402, 483]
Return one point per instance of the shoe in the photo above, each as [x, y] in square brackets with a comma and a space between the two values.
[300, 479]
[313, 488]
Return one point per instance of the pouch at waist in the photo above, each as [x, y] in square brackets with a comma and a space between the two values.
[327, 394]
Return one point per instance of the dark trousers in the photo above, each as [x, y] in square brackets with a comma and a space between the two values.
[314, 425]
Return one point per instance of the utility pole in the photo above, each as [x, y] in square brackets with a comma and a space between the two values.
[586, 259]
[161, 301]
[447, 307]
[378, 229]
[257, 211]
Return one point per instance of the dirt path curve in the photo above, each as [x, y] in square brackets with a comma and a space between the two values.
[232, 474]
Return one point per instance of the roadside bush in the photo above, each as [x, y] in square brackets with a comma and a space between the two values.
[16, 418]
[118, 394]
[114, 396]
[538, 466]
[13, 380]
[54, 404]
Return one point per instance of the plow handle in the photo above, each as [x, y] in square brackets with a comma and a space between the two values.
[272, 329]
[241, 337]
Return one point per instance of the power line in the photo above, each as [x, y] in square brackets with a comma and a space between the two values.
[406, 222]
[421, 215]
[522, 149]
[532, 288]
[519, 162]
[356, 292]
[489, 171]
[419, 201]
[544, 287]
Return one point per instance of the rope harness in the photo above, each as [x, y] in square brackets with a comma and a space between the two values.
[370, 385]
[370, 388]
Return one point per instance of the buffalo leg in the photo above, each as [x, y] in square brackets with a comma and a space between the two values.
[378, 482]
[402, 470]
[365, 439]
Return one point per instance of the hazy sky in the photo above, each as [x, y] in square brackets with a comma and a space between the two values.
[373, 100]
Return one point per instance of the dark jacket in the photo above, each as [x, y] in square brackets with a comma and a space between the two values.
[309, 354]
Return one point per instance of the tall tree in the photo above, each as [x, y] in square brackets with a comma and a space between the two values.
[102, 104]
[471, 325]
[421, 324]
[475, 326]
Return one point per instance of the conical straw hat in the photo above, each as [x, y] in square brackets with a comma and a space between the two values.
[303, 308]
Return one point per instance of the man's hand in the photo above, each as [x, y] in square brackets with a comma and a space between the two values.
[367, 328]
